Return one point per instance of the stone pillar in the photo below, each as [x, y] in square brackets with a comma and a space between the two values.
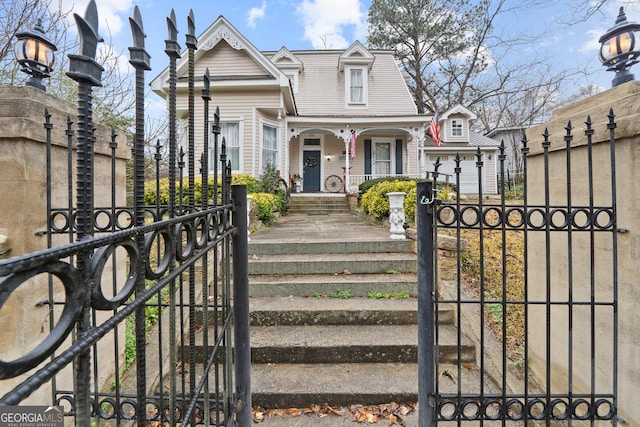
[23, 210]
[624, 100]
[396, 215]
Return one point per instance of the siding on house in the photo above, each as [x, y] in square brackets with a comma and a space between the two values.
[448, 136]
[235, 106]
[250, 89]
[322, 87]
[223, 60]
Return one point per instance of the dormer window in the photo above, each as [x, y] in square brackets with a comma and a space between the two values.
[356, 85]
[456, 127]
[355, 63]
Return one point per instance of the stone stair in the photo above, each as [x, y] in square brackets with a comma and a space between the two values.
[318, 204]
[311, 348]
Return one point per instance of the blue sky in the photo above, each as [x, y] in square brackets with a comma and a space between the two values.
[316, 24]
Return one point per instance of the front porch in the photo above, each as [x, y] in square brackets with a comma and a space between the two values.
[337, 157]
[353, 182]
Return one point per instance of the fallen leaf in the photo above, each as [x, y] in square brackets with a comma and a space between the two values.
[293, 411]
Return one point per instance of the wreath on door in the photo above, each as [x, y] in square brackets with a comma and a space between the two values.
[310, 162]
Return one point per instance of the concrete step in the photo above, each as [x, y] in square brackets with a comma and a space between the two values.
[292, 311]
[318, 211]
[335, 384]
[335, 311]
[313, 285]
[349, 344]
[345, 383]
[342, 384]
[332, 263]
[310, 344]
[335, 247]
[318, 206]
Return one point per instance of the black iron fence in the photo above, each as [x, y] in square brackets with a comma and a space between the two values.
[141, 312]
[537, 303]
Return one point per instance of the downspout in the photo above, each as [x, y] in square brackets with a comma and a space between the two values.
[253, 145]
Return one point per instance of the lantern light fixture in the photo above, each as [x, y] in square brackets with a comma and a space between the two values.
[620, 48]
[35, 53]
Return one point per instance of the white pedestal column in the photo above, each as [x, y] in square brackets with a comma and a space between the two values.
[248, 216]
[396, 215]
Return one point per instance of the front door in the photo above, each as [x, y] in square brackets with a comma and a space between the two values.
[382, 159]
[311, 170]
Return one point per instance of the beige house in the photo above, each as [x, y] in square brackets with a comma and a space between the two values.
[321, 117]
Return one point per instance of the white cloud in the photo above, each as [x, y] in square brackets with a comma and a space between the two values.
[112, 14]
[591, 43]
[256, 13]
[324, 22]
[608, 17]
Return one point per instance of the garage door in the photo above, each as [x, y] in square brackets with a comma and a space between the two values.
[468, 174]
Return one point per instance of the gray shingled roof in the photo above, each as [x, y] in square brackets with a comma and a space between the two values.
[477, 140]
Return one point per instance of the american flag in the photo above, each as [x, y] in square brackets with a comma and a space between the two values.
[434, 128]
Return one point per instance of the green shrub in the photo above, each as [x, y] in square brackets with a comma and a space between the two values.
[268, 179]
[446, 193]
[150, 188]
[266, 204]
[366, 185]
[375, 201]
[410, 204]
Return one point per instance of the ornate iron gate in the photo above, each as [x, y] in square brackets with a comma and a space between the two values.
[144, 291]
[538, 300]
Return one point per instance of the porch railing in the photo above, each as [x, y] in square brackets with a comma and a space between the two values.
[356, 180]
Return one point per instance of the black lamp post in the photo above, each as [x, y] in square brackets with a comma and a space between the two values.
[620, 48]
[34, 53]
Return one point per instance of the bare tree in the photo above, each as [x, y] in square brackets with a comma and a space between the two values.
[113, 100]
[23, 15]
[455, 53]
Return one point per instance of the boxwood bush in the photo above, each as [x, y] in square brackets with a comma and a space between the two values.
[366, 185]
[376, 203]
[266, 203]
[150, 188]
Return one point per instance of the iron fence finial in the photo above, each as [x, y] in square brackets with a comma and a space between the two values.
[206, 90]
[88, 30]
[191, 40]
[83, 66]
[140, 58]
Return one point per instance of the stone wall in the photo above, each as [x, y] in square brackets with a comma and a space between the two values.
[23, 210]
[624, 100]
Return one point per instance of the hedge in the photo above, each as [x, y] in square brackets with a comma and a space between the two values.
[376, 203]
[150, 188]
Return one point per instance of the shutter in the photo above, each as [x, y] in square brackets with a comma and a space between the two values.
[398, 157]
[367, 157]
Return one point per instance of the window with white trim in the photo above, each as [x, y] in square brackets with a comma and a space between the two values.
[356, 85]
[230, 131]
[269, 146]
[456, 127]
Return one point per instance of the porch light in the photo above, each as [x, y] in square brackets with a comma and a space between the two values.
[34, 52]
[328, 157]
[620, 48]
